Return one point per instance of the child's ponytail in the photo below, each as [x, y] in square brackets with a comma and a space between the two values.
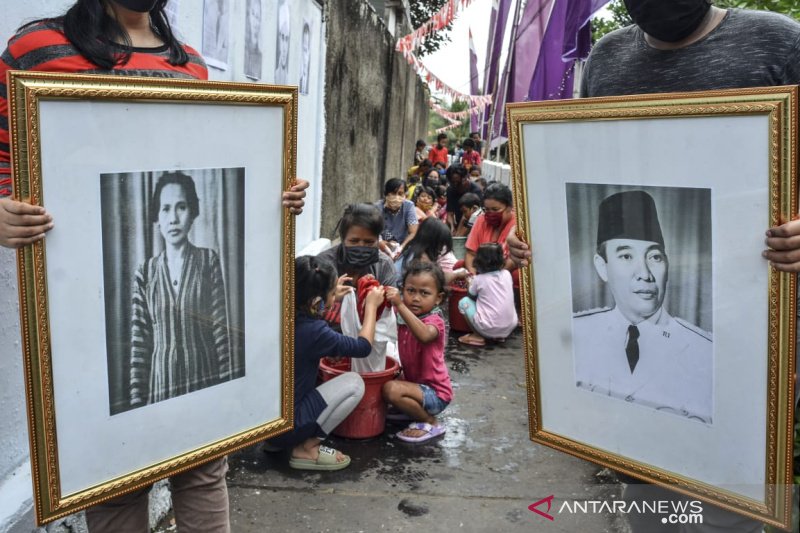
[314, 278]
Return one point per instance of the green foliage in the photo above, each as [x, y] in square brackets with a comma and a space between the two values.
[787, 7]
[420, 12]
[435, 121]
[620, 18]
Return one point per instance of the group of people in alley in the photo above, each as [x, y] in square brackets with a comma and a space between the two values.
[398, 252]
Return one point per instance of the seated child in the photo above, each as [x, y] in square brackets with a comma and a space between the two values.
[425, 390]
[434, 244]
[424, 203]
[441, 202]
[318, 410]
[475, 173]
[470, 206]
[489, 305]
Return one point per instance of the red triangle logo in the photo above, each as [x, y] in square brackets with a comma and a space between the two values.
[549, 501]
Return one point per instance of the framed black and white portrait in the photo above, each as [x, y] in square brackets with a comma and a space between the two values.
[643, 286]
[159, 315]
[173, 273]
[658, 340]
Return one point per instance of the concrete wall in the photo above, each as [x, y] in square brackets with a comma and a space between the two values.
[376, 109]
[15, 485]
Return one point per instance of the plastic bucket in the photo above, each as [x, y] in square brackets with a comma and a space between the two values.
[459, 247]
[457, 321]
[368, 419]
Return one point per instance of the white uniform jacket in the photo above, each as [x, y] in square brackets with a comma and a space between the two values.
[675, 371]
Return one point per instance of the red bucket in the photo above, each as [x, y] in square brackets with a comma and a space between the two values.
[368, 419]
[457, 320]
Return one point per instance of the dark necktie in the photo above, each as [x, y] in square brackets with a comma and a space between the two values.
[632, 348]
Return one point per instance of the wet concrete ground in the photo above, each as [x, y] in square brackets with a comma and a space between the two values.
[480, 476]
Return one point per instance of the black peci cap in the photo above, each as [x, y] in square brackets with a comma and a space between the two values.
[629, 215]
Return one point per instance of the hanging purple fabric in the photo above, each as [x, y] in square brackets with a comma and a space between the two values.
[497, 28]
[475, 119]
[568, 37]
[530, 34]
[524, 56]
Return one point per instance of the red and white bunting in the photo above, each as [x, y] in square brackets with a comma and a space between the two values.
[453, 114]
[437, 22]
[408, 45]
[450, 127]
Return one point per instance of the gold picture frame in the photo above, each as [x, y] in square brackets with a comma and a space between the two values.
[735, 153]
[241, 137]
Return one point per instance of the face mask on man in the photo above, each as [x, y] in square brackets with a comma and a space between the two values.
[668, 20]
[360, 256]
[141, 6]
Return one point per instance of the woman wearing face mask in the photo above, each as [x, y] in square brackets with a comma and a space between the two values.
[494, 225]
[357, 255]
[123, 37]
[399, 218]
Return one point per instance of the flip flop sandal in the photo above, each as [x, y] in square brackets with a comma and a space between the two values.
[431, 432]
[468, 341]
[325, 461]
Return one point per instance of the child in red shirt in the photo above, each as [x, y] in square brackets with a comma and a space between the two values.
[471, 157]
[438, 153]
[425, 390]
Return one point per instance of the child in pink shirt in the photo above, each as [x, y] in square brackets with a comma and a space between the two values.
[489, 305]
[425, 390]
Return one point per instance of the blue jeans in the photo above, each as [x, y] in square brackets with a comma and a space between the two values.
[432, 404]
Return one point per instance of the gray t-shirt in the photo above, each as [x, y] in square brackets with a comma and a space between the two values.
[747, 49]
[396, 224]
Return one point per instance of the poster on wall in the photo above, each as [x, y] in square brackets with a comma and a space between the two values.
[283, 43]
[648, 307]
[171, 9]
[305, 57]
[253, 58]
[216, 38]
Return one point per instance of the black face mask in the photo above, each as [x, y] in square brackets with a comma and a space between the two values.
[142, 6]
[668, 20]
[360, 256]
